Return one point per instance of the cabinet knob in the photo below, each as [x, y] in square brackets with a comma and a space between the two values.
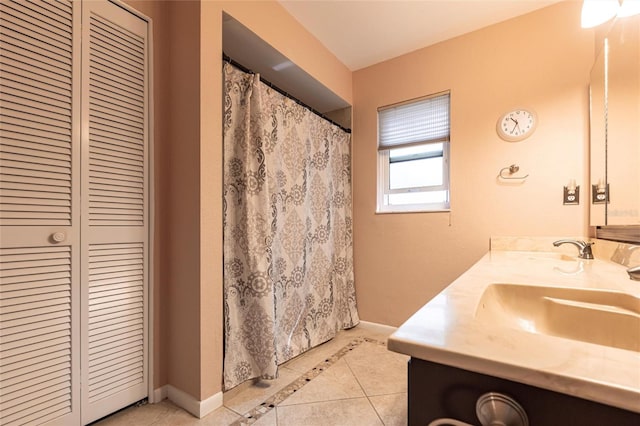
[58, 237]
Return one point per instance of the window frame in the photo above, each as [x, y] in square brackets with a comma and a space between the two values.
[383, 172]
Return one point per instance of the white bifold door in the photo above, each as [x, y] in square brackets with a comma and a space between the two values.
[74, 210]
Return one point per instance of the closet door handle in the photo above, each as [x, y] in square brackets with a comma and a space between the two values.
[58, 237]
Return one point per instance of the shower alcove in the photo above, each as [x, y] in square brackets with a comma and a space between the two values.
[288, 259]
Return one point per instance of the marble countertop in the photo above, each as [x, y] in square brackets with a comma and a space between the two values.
[446, 330]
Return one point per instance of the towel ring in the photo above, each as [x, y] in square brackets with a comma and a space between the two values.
[512, 169]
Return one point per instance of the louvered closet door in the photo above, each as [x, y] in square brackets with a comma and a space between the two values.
[39, 212]
[114, 209]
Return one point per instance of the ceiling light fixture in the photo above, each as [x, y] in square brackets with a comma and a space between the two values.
[596, 12]
[629, 8]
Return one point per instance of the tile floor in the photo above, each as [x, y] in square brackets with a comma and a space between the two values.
[351, 380]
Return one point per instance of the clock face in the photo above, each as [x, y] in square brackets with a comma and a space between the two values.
[516, 125]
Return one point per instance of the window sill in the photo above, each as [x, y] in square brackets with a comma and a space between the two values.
[413, 210]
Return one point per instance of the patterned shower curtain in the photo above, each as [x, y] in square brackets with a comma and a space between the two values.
[288, 251]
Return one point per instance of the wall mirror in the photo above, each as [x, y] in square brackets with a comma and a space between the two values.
[615, 130]
[597, 110]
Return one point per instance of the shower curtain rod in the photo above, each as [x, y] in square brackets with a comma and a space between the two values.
[226, 58]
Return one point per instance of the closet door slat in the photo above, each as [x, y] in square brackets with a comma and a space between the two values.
[35, 70]
[35, 329]
[109, 333]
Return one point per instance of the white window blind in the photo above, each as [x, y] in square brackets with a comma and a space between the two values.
[416, 122]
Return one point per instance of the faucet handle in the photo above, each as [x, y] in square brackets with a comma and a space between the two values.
[634, 273]
[585, 252]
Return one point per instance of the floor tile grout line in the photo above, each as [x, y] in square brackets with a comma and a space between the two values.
[271, 402]
[232, 409]
[374, 409]
[318, 402]
[276, 410]
[364, 392]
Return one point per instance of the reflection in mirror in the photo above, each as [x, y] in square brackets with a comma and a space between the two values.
[623, 123]
[615, 132]
[597, 89]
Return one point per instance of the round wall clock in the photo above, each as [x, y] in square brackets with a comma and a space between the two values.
[516, 125]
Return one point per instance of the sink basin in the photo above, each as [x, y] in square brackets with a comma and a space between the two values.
[602, 317]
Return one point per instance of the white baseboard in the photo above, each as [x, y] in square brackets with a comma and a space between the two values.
[211, 404]
[191, 404]
[377, 328]
[159, 394]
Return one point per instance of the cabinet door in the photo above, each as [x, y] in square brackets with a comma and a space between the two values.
[114, 237]
[39, 212]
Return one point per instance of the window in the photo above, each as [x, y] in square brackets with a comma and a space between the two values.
[413, 153]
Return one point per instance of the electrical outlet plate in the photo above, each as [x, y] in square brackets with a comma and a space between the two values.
[571, 197]
[599, 197]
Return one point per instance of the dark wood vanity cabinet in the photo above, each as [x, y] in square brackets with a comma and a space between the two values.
[437, 391]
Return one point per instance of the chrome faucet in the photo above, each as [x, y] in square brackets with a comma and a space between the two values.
[634, 273]
[583, 247]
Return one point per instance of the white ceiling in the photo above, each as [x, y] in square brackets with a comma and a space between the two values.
[364, 32]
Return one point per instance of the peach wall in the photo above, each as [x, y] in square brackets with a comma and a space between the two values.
[158, 12]
[540, 60]
[211, 301]
[184, 210]
[182, 220]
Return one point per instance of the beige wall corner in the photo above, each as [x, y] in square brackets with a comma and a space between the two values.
[183, 227]
[211, 300]
[158, 11]
[199, 408]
